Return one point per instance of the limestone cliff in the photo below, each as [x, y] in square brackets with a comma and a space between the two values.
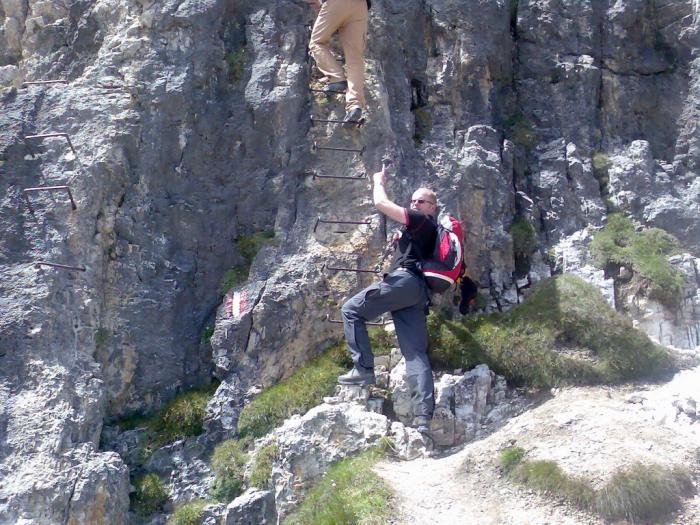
[189, 128]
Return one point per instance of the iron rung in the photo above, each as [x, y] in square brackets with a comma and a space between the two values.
[42, 82]
[338, 321]
[357, 123]
[316, 147]
[319, 220]
[341, 269]
[61, 266]
[49, 188]
[361, 176]
[51, 135]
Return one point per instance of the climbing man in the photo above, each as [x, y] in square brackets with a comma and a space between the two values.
[349, 19]
[403, 292]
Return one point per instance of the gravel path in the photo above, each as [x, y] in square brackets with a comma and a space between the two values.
[591, 432]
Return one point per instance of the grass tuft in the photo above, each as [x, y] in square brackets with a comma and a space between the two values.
[261, 470]
[247, 247]
[564, 333]
[235, 61]
[643, 493]
[181, 417]
[638, 493]
[304, 389]
[645, 253]
[189, 513]
[510, 457]
[228, 465]
[149, 495]
[349, 493]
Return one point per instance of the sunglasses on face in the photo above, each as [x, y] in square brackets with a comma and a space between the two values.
[420, 201]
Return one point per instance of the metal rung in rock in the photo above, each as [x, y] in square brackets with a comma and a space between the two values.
[26, 192]
[319, 220]
[316, 147]
[50, 135]
[326, 91]
[384, 322]
[357, 123]
[43, 82]
[361, 176]
[61, 266]
[341, 269]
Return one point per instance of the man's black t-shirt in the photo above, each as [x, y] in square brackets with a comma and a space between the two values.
[417, 241]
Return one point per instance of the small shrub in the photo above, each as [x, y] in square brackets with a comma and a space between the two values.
[235, 61]
[189, 513]
[521, 131]
[645, 252]
[149, 495]
[524, 237]
[247, 247]
[228, 463]
[262, 466]
[524, 344]
[511, 457]
[600, 161]
[382, 341]
[101, 337]
[181, 417]
[206, 334]
[350, 493]
[643, 493]
[304, 389]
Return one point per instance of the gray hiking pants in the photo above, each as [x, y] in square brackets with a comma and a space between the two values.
[405, 295]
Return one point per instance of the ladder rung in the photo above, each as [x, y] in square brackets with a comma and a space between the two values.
[42, 136]
[26, 192]
[61, 266]
[341, 269]
[326, 91]
[338, 321]
[316, 147]
[43, 82]
[361, 176]
[357, 123]
[319, 220]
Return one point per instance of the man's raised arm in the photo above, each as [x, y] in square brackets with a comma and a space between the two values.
[382, 202]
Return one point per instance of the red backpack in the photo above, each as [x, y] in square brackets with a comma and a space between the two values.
[446, 264]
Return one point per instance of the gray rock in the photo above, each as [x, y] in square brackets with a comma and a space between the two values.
[253, 507]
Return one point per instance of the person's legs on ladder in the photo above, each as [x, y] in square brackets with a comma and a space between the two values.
[330, 18]
[353, 37]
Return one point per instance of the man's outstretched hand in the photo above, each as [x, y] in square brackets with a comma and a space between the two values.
[316, 4]
[379, 177]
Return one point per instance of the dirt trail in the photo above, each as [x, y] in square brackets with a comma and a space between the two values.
[591, 432]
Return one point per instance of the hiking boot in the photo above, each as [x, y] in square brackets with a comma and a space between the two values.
[340, 86]
[422, 424]
[358, 376]
[353, 115]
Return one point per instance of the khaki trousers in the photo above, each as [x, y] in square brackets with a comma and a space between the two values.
[349, 19]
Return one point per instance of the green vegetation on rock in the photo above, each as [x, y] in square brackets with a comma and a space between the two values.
[564, 333]
[350, 493]
[247, 247]
[181, 417]
[261, 470]
[637, 493]
[524, 237]
[304, 389]
[645, 253]
[228, 465]
[189, 513]
[521, 131]
[149, 494]
[235, 60]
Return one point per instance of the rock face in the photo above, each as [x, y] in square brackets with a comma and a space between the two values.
[189, 129]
